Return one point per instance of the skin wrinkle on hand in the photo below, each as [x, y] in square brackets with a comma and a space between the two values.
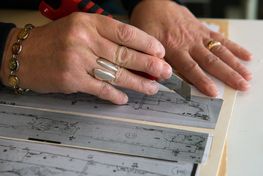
[66, 60]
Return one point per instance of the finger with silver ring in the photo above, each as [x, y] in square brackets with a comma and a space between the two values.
[122, 77]
[138, 61]
[133, 59]
[213, 43]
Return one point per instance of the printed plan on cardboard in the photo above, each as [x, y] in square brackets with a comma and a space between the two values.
[68, 135]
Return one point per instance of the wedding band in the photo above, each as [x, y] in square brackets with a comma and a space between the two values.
[213, 43]
[109, 74]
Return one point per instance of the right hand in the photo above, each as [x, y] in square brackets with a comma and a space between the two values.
[61, 57]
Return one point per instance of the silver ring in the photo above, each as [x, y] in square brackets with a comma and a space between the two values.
[107, 65]
[103, 75]
[109, 74]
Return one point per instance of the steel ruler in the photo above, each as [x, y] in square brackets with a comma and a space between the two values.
[103, 134]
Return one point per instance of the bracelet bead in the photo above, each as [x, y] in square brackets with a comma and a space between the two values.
[13, 63]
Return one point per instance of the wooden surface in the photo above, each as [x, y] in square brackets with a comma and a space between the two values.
[216, 158]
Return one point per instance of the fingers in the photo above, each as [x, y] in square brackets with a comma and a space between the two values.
[129, 36]
[126, 79]
[216, 67]
[103, 90]
[185, 65]
[132, 59]
[119, 76]
[123, 78]
[236, 49]
[225, 55]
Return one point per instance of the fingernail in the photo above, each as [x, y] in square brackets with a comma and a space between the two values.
[243, 85]
[124, 99]
[153, 87]
[250, 56]
[167, 71]
[248, 75]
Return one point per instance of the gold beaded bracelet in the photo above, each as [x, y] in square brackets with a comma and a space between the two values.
[13, 64]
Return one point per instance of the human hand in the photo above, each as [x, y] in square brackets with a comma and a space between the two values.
[62, 55]
[185, 40]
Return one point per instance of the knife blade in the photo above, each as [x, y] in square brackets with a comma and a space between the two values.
[178, 85]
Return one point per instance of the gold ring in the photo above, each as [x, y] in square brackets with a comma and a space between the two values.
[109, 74]
[213, 43]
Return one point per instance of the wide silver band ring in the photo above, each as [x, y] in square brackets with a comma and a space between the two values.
[108, 73]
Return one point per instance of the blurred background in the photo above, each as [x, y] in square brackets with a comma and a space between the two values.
[241, 9]
[237, 9]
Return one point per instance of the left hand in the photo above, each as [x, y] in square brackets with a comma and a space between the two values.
[185, 39]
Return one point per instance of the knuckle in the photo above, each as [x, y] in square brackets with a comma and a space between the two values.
[124, 56]
[151, 66]
[73, 21]
[75, 29]
[68, 37]
[184, 8]
[190, 67]
[170, 41]
[224, 41]
[120, 74]
[204, 80]
[219, 49]
[125, 33]
[75, 17]
[216, 35]
[104, 90]
[238, 66]
[151, 44]
[233, 78]
[155, 47]
[143, 87]
[210, 60]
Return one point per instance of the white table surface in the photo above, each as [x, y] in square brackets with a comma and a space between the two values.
[245, 137]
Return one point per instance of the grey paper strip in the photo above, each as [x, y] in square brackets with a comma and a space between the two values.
[103, 135]
[31, 159]
[164, 107]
